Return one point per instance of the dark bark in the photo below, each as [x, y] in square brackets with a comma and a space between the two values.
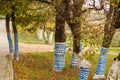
[45, 1]
[60, 22]
[13, 20]
[118, 57]
[8, 33]
[60, 29]
[76, 37]
[110, 26]
[108, 35]
[7, 24]
[16, 51]
[74, 21]
[117, 20]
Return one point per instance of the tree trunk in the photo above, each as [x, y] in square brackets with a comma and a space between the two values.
[100, 70]
[8, 33]
[114, 71]
[51, 37]
[45, 34]
[117, 21]
[40, 34]
[119, 71]
[16, 51]
[108, 35]
[60, 38]
[60, 29]
[109, 31]
[73, 18]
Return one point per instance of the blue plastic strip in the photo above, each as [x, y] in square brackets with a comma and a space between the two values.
[74, 61]
[84, 72]
[59, 56]
[102, 62]
[10, 43]
[16, 46]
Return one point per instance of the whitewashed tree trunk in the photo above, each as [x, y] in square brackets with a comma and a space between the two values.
[40, 34]
[119, 70]
[51, 36]
[45, 36]
[113, 71]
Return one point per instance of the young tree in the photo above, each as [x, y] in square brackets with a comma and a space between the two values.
[69, 11]
[8, 34]
[109, 30]
[14, 10]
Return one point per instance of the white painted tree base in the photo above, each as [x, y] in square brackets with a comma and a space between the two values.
[113, 71]
[82, 62]
[98, 77]
[118, 70]
[40, 34]
[51, 36]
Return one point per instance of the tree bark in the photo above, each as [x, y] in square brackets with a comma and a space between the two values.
[108, 35]
[73, 18]
[60, 29]
[117, 15]
[109, 28]
[15, 34]
[60, 22]
[13, 20]
[8, 33]
[7, 24]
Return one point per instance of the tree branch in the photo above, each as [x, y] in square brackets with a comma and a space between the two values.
[45, 1]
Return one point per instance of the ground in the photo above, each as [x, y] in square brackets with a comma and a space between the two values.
[6, 69]
[39, 66]
[31, 48]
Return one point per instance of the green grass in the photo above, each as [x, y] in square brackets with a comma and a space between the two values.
[39, 66]
[115, 50]
[30, 39]
[33, 39]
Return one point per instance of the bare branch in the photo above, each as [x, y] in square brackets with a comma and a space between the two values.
[45, 1]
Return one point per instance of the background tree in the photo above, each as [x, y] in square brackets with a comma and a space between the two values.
[15, 11]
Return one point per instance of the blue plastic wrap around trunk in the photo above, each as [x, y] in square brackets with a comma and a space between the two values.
[10, 43]
[59, 56]
[102, 62]
[84, 72]
[74, 61]
[16, 52]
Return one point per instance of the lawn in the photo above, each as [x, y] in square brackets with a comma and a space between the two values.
[30, 39]
[114, 49]
[39, 66]
[33, 39]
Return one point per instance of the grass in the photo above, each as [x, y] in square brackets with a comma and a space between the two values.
[39, 66]
[30, 39]
[115, 50]
[33, 39]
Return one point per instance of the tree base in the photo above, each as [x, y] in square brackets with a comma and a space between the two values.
[59, 57]
[99, 77]
[17, 59]
[82, 62]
